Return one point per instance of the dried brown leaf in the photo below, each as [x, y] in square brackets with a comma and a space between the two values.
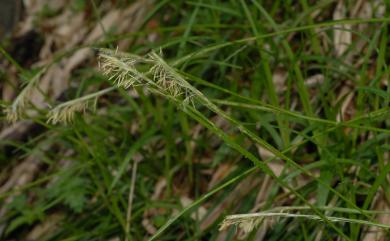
[342, 38]
[375, 233]
[200, 211]
[279, 78]
[221, 172]
[235, 196]
[47, 227]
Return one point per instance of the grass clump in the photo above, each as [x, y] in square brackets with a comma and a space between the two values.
[217, 120]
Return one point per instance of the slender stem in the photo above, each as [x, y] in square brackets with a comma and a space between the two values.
[130, 200]
[87, 97]
[239, 218]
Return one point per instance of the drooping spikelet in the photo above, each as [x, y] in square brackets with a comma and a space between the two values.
[165, 80]
[160, 77]
[167, 76]
[120, 67]
[66, 113]
[17, 109]
[247, 222]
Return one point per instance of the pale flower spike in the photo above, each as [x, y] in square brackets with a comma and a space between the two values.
[165, 76]
[121, 72]
[66, 113]
[15, 111]
[160, 78]
[247, 222]
[11, 115]
[165, 80]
